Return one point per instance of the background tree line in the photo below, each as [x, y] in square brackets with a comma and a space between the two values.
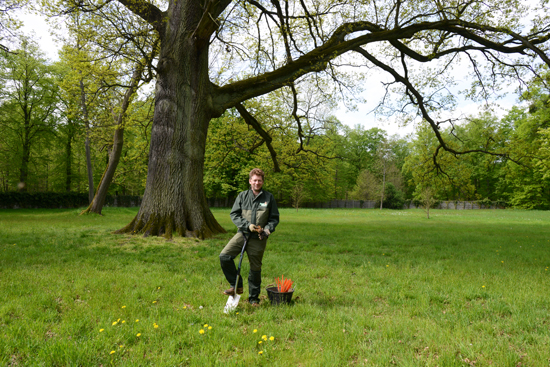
[48, 110]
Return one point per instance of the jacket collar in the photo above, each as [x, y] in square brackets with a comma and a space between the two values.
[256, 196]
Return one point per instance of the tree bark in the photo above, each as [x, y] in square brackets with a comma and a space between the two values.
[98, 201]
[103, 187]
[174, 198]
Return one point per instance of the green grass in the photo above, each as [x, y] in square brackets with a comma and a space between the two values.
[373, 288]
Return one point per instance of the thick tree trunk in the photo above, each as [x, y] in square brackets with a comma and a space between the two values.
[174, 197]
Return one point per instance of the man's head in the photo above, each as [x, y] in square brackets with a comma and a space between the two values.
[256, 179]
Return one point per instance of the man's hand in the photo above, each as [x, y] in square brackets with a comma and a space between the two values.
[264, 234]
[255, 228]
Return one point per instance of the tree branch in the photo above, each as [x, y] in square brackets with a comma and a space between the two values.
[146, 11]
[208, 23]
[250, 120]
[317, 59]
[418, 100]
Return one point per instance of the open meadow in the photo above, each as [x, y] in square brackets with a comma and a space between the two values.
[373, 288]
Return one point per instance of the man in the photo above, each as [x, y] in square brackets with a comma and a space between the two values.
[256, 215]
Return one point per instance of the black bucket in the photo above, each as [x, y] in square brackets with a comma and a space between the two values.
[277, 297]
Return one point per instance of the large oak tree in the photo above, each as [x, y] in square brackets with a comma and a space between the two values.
[217, 54]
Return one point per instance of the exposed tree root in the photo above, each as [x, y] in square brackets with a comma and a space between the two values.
[157, 225]
[89, 210]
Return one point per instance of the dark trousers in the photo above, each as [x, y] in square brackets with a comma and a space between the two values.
[255, 251]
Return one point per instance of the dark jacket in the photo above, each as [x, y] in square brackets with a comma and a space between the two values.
[260, 210]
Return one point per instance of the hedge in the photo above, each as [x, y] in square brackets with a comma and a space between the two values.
[17, 200]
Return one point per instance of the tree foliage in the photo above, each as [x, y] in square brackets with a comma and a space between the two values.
[28, 111]
[9, 24]
[448, 178]
[527, 184]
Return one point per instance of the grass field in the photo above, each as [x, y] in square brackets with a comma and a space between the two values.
[373, 288]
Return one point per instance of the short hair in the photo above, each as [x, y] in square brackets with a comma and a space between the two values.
[256, 172]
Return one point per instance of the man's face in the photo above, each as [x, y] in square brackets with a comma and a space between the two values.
[256, 182]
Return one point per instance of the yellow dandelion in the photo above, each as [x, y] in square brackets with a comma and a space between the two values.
[482, 286]
[387, 266]
[260, 352]
[137, 320]
[236, 313]
[156, 326]
[271, 338]
[138, 334]
[264, 337]
[123, 306]
[114, 323]
[201, 331]
[113, 352]
[158, 288]
[255, 330]
[260, 342]
[205, 325]
[210, 328]
[184, 307]
[123, 321]
[101, 330]
[154, 301]
[118, 320]
[121, 346]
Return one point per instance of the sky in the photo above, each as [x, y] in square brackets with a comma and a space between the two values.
[362, 115]
[36, 24]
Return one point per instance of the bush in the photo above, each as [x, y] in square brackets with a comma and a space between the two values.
[393, 198]
[501, 203]
[14, 200]
[485, 203]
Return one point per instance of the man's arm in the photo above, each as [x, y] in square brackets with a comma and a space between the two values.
[273, 216]
[236, 215]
